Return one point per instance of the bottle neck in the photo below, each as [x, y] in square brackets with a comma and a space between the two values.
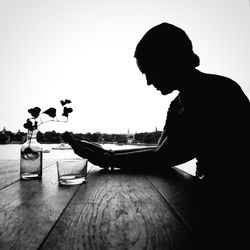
[31, 136]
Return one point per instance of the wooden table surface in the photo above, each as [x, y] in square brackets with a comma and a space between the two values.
[113, 210]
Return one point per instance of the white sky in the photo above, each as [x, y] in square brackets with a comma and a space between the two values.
[83, 50]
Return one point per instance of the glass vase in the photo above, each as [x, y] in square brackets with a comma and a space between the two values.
[31, 158]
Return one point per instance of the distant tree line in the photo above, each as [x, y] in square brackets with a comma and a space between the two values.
[148, 137]
[55, 137]
[10, 137]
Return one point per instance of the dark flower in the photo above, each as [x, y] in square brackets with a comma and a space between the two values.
[28, 125]
[50, 112]
[35, 112]
[66, 111]
[32, 123]
[65, 102]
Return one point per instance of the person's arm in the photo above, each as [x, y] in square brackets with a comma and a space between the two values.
[140, 159]
[130, 150]
[169, 153]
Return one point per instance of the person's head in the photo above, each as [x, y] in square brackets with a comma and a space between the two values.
[164, 54]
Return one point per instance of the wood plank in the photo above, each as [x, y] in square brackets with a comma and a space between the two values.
[4, 163]
[119, 211]
[178, 188]
[29, 209]
[10, 171]
[206, 209]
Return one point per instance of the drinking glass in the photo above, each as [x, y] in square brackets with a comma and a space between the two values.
[72, 171]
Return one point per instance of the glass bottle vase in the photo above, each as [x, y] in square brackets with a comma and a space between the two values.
[31, 158]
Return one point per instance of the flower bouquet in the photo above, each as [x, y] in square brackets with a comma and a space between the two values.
[31, 150]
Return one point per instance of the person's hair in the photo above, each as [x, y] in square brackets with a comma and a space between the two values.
[166, 43]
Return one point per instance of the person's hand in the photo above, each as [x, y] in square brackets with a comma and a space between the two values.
[91, 151]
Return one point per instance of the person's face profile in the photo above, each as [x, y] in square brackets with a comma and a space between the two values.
[162, 78]
[139, 65]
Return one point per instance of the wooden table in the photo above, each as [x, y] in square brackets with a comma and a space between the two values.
[114, 210]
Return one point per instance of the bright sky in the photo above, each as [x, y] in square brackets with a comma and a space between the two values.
[83, 50]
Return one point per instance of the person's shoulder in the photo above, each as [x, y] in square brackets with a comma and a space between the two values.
[223, 86]
[220, 82]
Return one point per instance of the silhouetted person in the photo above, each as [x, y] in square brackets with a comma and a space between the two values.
[208, 120]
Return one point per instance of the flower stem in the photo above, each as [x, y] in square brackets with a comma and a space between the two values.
[30, 137]
[53, 120]
[40, 119]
